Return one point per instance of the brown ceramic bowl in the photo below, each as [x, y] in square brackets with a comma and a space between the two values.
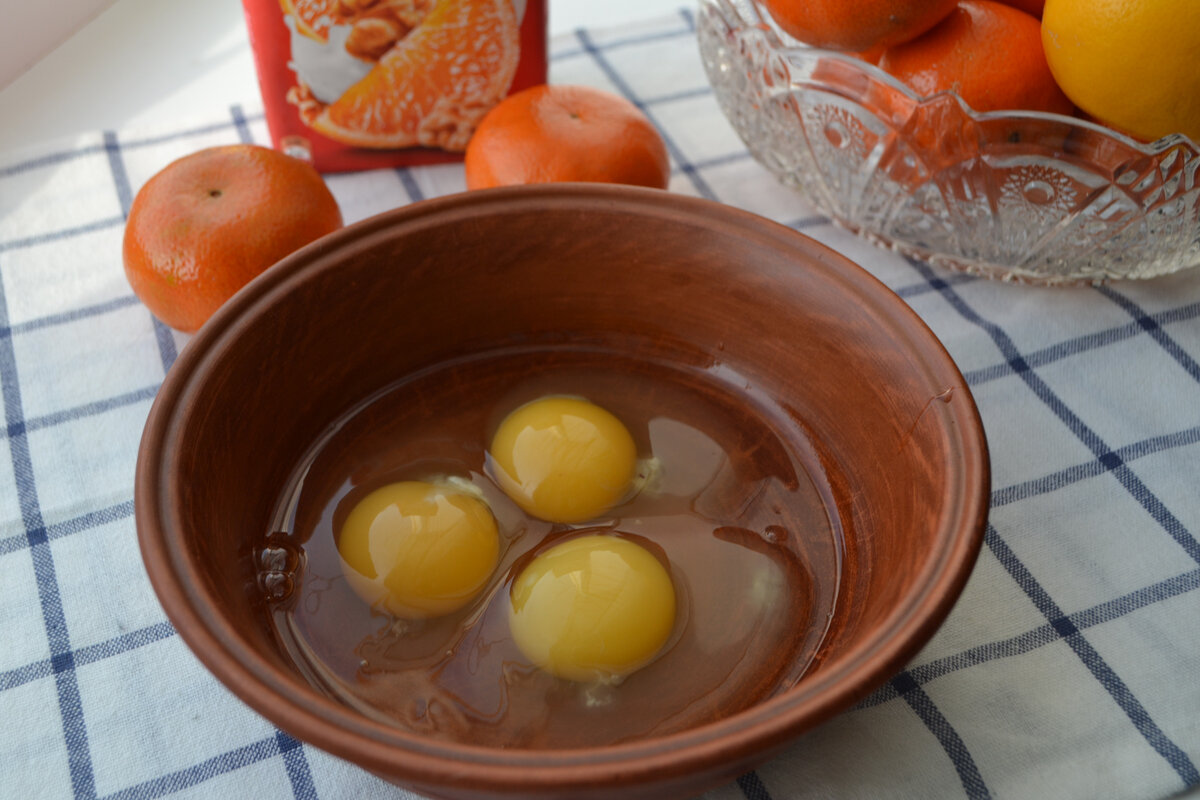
[745, 305]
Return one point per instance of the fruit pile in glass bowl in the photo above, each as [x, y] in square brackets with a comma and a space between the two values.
[1022, 196]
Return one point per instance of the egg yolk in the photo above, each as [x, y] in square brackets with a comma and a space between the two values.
[418, 549]
[563, 459]
[592, 608]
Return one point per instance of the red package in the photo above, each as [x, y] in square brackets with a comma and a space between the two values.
[361, 84]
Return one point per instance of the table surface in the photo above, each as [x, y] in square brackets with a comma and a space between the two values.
[1068, 668]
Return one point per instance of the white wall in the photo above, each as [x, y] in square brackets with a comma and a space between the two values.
[33, 28]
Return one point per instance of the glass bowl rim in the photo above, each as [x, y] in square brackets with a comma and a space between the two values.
[785, 45]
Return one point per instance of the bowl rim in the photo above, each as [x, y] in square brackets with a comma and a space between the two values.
[299, 709]
[786, 45]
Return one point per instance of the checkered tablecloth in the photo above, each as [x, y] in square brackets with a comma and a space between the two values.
[1069, 669]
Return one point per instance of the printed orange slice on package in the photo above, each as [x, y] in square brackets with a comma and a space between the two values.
[366, 83]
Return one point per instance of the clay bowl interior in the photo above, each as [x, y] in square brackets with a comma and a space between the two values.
[747, 306]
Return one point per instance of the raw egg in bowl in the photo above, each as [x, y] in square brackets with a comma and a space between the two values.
[560, 490]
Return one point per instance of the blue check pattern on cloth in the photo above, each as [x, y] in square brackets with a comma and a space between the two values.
[1069, 669]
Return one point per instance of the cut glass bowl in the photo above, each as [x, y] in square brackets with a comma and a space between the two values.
[1019, 196]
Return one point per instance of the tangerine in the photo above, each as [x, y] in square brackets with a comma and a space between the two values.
[209, 222]
[988, 53]
[1032, 7]
[857, 25]
[548, 134]
[1130, 63]
[428, 87]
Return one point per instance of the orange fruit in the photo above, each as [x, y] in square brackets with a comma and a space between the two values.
[548, 134]
[871, 55]
[988, 53]
[1134, 64]
[1031, 7]
[433, 85]
[207, 223]
[857, 25]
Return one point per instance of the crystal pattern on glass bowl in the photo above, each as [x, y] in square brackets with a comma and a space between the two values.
[1024, 196]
